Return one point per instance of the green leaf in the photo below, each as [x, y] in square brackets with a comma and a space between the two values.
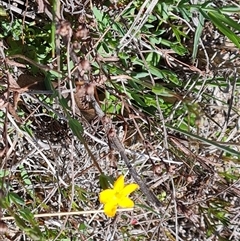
[55, 73]
[34, 233]
[185, 13]
[105, 181]
[81, 193]
[124, 58]
[64, 103]
[162, 196]
[20, 223]
[155, 40]
[76, 127]
[24, 175]
[4, 203]
[15, 198]
[119, 28]
[4, 173]
[229, 176]
[136, 60]
[153, 58]
[229, 21]
[138, 98]
[97, 13]
[141, 75]
[170, 76]
[123, 55]
[229, 9]
[148, 208]
[82, 227]
[26, 214]
[105, 47]
[179, 49]
[178, 33]
[217, 21]
[209, 142]
[197, 35]
[155, 71]
[162, 91]
[150, 101]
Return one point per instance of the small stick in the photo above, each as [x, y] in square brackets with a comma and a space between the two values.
[41, 215]
[110, 130]
[40, 66]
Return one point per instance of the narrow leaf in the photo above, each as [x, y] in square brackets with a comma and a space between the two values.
[76, 128]
[197, 35]
[209, 142]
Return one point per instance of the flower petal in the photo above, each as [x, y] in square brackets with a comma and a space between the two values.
[110, 209]
[106, 195]
[119, 184]
[126, 203]
[129, 189]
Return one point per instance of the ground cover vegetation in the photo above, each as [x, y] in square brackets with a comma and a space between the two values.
[119, 120]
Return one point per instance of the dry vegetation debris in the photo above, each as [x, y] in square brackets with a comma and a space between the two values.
[95, 89]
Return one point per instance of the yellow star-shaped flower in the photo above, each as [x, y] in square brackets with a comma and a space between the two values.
[117, 196]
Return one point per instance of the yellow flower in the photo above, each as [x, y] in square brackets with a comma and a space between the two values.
[117, 196]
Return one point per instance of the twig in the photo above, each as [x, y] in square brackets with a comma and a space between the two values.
[41, 215]
[138, 22]
[110, 130]
[40, 66]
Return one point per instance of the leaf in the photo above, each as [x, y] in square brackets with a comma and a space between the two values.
[76, 128]
[26, 214]
[64, 104]
[217, 21]
[81, 193]
[171, 76]
[229, 9]
[185, 13]
[4, 202]
[162, 91]
[105, 181]
[197, 35]
[15, 198]
[117, 27]
[150, 101]
[209, 142]
[229, 176]
[98, 14]
[20, 223]
[34, 233]
[82, 227]
[105, 47]
[141, 75]
[153, 58]
[55, 73]
[123, 55]
[137, 61]
[155, 71]
[149, 209]
[138, 99]
[179, 49]
[124, 58]
[4, 173]
[24, 175]
[228, 21]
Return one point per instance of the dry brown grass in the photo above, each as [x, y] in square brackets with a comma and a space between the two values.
[49, 170]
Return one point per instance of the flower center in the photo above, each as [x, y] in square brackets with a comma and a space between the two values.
[118, 195]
